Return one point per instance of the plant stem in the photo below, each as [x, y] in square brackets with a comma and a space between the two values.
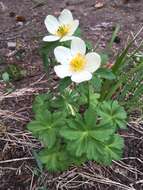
[88, 94]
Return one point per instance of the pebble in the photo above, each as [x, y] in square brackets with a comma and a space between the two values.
[19, 24]
[99, 5]
[11, 45]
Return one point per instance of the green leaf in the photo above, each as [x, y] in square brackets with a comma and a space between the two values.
[94, 100]
[5, 77]
[123, 58]
[102, 132]
[112, 113]
[45, 133]
[67, 102]
[82, 91]
[86, 146]
[76, 160]
[117, 28]
[113, 149]
[64, 83]
[106, 73]
[39, 164]
[89, 46]
[96, 83]
[104, 58]
[46, 60]
[15, 72]
[54, 159]
[44, 116]
[41, 102]
[84, 139]
[45, 127]
[45, 52]
[97, 143]
[66, 44]
[78, 32]
[90, 116]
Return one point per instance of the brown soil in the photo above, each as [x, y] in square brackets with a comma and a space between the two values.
[18, 170]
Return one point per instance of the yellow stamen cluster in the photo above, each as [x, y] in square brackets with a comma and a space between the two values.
[63, 30]
[78, 62]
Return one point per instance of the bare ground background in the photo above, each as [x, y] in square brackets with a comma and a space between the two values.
[18, 170]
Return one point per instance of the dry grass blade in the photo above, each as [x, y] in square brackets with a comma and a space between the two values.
[21, 92]
[16, 160]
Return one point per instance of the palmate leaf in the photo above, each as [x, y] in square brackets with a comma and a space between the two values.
[41, 102]
[99, 144]
[66, 102]
[114, 114]
[113, 149]
[94, 97]
[84, 139]
[86, 146]
[64, 83]
[46, 125]
[90, 116]
[54, 159]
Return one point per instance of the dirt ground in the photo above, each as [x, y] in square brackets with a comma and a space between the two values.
[21, 22]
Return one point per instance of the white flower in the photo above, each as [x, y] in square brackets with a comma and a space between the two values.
[62, 28]
[75, 63]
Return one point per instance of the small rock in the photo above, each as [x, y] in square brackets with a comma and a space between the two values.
[99, 5]
[11, 45]
[19, 24]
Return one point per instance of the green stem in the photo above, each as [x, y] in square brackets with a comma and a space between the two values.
[71, 109]
[88, 94]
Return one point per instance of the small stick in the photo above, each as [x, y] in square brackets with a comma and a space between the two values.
[16, 159]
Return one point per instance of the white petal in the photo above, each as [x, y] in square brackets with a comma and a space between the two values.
[51, 38]
[62, 54]
[52, 24]
[78, 46]
[93, 62]
[74, 25]
[81, 76]
[65, 17]
[62, 71]
[67, 38]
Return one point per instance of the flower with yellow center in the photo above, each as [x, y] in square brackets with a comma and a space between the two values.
[75, 63]
[61, 28]
[78, 62]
